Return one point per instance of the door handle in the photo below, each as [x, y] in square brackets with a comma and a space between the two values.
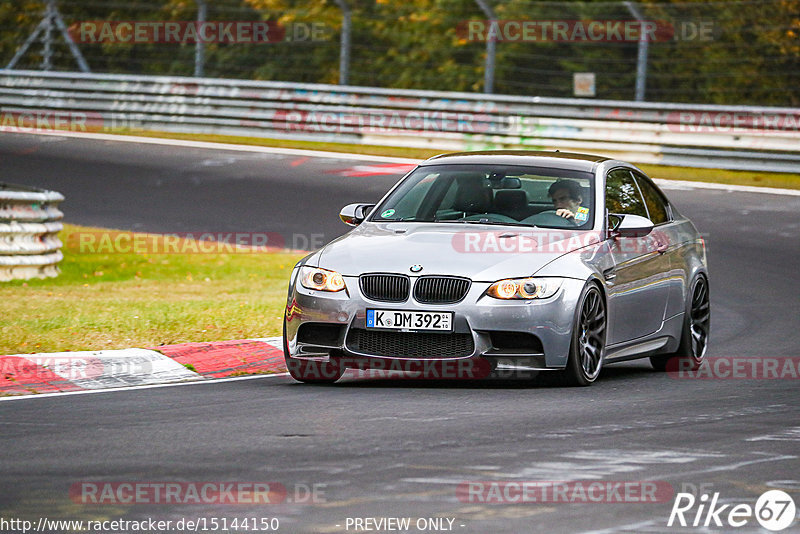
[661, 248]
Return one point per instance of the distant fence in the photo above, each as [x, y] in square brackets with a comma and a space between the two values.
[729, 137]
[29, 226]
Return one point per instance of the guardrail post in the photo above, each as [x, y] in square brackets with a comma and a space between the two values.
[491, 47]
[344, 46]
[641, 56]
[47, 54]
[51, 16]
[200, 46]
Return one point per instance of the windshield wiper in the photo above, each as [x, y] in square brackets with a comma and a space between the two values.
[491, 223]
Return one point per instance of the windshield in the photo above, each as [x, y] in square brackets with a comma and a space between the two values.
[491, 194]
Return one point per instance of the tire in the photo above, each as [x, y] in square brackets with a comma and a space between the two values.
[587, 349]
[310, 371]
[314, 372]
[694, 334]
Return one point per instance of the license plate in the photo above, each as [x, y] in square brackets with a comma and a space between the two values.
[410, 320]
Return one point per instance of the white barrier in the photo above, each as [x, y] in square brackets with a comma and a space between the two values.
[733, 137]
[29, 244]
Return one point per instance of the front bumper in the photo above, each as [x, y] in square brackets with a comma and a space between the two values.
[477, 315]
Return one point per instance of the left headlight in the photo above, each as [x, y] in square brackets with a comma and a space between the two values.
[321, 279]
[524, 288]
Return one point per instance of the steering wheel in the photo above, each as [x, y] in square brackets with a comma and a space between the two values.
[549, 218]
[491, 217]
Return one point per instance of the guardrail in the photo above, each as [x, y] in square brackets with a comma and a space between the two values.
[29, 226]
[730, 137]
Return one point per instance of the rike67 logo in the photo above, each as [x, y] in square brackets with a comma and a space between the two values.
[774, 510]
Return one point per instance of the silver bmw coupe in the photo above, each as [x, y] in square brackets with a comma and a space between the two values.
[481, 262]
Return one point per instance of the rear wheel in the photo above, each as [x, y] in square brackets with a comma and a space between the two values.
[587, 349]
[694, 336]
[310, 371]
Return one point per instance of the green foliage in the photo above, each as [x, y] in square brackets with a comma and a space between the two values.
[752, 55]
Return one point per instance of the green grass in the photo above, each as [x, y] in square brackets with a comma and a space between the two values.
[763, 179]
[119, 300]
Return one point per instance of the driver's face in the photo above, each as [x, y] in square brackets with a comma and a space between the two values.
[561, 199]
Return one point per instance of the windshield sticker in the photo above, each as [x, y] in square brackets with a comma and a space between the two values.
[582, 215]
[386, 214]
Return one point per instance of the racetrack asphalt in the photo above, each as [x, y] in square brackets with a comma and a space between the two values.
[398, 448]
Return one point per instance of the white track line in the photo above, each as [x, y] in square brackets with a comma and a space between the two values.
[672, 184]
[225, 146]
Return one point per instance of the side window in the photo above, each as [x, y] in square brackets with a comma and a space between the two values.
[622, 195]
[656, 204]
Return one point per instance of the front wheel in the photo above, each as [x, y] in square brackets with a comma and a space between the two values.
[314, 372]
[694, 336]
[587, 349]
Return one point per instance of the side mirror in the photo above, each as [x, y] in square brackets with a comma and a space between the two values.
[629, 225]
[354, 214]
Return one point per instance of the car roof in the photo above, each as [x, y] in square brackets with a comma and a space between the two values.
[557, 160]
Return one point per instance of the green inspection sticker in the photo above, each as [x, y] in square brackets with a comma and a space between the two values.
[386, 214]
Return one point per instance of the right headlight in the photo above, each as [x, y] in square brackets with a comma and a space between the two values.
[524, 288]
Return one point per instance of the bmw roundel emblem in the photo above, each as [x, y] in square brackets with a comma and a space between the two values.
[416, 268]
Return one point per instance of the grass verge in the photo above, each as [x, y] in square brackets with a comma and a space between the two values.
[719, 176]
[114, 300]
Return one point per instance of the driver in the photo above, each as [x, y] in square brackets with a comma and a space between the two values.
[566, 197]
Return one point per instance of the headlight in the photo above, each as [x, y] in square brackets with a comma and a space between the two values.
[321, 279]
[524, 288]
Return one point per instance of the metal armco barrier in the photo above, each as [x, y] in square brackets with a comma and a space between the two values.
[729, 137]
[29, 226]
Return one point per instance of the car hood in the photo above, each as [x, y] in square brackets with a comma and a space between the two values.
[479, 252]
